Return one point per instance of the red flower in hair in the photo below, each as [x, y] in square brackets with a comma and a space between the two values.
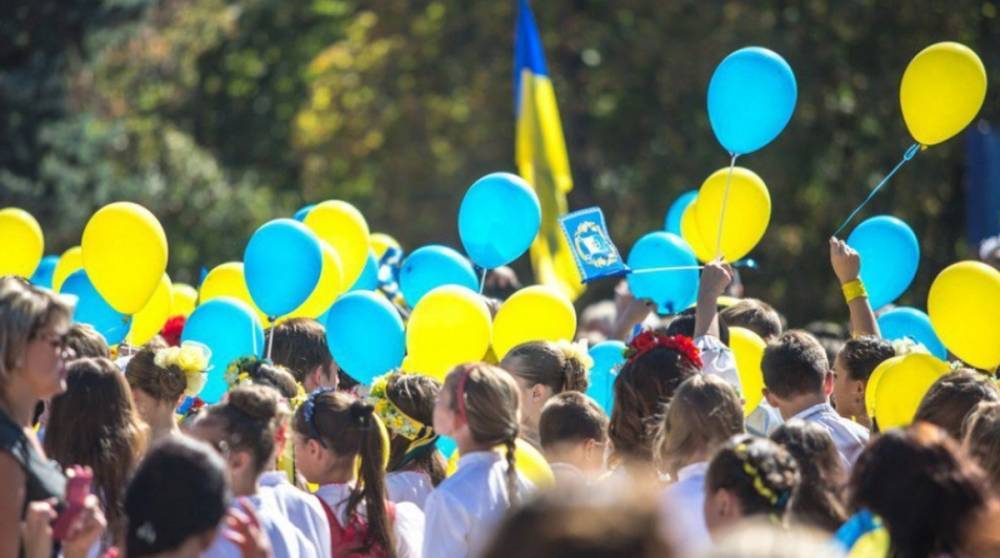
[171, 331]
[648, 340]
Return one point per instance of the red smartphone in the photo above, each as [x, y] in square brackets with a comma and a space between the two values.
[78, 483]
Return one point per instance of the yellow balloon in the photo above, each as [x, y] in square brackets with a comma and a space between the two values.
[897, 386]
[382, 242]
[536, 313]
[449, 326]
[964, 305]
[328, 288]
[748, 348]
[527, 460]
[148, 322]
[343, 227]
[227, 280]
[183, 299]
[22, 241]
[125, 255]
[748, 212]
[691, 234]
[942, 91]
[69, 263]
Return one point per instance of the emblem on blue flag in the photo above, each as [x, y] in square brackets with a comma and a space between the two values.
[596, 256]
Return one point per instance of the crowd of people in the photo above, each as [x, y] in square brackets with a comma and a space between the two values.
[299, 461]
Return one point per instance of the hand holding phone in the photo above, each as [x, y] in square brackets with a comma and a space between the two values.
[78, 481]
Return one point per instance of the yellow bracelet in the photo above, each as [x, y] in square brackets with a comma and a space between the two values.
[854, 290]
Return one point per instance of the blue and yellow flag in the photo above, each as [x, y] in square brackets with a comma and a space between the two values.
[540, 153]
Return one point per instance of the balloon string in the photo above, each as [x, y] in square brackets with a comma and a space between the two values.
[725, 202]
[270, 339]
[482, 281]
[749, 263]
[910, 153]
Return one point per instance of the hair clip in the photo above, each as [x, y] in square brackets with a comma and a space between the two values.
[309, 412]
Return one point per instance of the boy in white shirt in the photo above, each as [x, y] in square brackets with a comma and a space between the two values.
[574, 434]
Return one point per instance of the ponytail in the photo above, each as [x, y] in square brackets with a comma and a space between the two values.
[371, 488]
[511, 454]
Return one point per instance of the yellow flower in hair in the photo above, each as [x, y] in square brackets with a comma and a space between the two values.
[190, 358]
[576, 352]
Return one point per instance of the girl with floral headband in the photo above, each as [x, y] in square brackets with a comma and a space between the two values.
[405, 403]
[543, 369]
[160, 378]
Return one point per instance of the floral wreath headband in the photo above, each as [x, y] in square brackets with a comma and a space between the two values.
[192, 359]
[648, 340]
[392, 416]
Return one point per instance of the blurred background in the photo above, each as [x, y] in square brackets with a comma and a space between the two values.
[220, 115]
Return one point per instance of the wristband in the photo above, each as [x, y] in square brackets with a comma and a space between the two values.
[854, 290]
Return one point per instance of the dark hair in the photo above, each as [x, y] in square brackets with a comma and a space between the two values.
[178, 491]
[862, 355]
[758, 472]
[981, 439]
[794, 364]
[94, 423]
[249, 417]
[683, 324]
[299, 344]
[953, 396]
[755, 315]
[347, 428]
[415, 395]
[162, 384]
[572, 417]
[265, 373]
[546, 363]
[85, 342]
[922, 486]
[819, 500]
[645, 384]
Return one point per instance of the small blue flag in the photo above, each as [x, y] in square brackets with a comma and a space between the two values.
[595, 254]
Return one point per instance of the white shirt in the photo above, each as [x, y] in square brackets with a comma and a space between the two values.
[718, 359]
[302, 510]
[683, 504]
[849, 436]
[286, 541]
[409, 486]
[465, 509]
[407, 528]
[764, 420]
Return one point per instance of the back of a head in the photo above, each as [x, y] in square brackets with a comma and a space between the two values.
[179, 491]
[163, 383]
[704, 413]
[763, 539]
[412, 395]
[85, 342]
[758, 472]
[248, 420]
[684, 322]
[862, 355]
[794, 364]
[571, 417]
[922, 486]
[953, 396]
[560, 366]
[256, 371]
[755, 315]
[818, 501]
[299, 344]
[489, 399]
[981, 439]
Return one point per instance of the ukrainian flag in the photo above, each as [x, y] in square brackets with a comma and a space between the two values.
[540, 153]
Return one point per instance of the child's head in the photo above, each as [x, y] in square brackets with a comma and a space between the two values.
[85, 342]
[925, 489]
[405, 403]
[176, 500]
[755, 315]
[255, 371]
[818, 502]
[684, 323]
[543, 369]
[656, 366]
[852, 368]
[574, 429]
[953, 396]
[336, 434]
[795, 369]
[704, 413]
[161, 376]
[749, 476]
[300, 345]
[981, 439]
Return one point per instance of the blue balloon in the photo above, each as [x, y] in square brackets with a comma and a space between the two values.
[608, 357]
[905, 322]
[672, 291]
[498, 219]
[368, 280]
[91, 308]
[43, 273]
[365, 335]
[433, 266]
[890, 255]
[672, 222]
[751, 98]
[301, 214]
[230, 329]
[282, 264]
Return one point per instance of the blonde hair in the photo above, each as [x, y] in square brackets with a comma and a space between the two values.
[560, 365]
[24, 311]
[488, 399]
[981, 439]
[704, 413]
